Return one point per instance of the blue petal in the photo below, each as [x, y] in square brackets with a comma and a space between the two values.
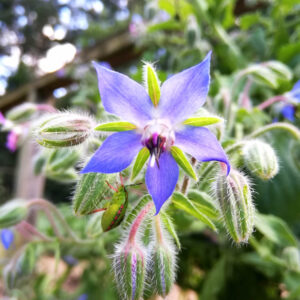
[295, 92]
[288, 111]
[7, 238]
[184, 93]
[123, 97]
[201, 144]
[161, 181]
[115, 154]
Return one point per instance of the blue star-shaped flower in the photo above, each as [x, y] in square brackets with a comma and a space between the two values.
[158, 128]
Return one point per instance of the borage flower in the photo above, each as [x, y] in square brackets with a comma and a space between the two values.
[158, 122]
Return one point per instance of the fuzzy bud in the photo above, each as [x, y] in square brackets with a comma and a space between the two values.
[163, 260]
[260, 158]
[64, 130]
[12, 213]
[233, 194]
[91, 190]
[130, 270]
[21, 113]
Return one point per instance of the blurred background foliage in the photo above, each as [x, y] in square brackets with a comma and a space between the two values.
[175, 34]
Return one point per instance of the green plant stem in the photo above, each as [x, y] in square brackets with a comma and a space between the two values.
[186, 179]
[47, 205]
[293, 130]
[159, 235]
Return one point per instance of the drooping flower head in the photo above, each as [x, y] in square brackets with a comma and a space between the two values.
[158, 124]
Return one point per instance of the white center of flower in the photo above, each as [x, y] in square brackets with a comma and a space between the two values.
[157, 137]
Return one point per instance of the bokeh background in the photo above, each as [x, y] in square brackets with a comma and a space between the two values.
[46, 50]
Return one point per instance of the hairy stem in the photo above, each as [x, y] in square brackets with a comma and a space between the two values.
[186, 180]
[158, 231]
[137, 222]
[272, 100]
[47, 205]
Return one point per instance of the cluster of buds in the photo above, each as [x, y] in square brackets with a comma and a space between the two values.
[136, 263]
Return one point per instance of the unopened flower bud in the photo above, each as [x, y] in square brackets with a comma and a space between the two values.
[21, 113]
[163, 260]
[12, 213]
[260, 158]
[130, 270]
[91, 190]
[163, 270]
[233, 194]
[64, 130]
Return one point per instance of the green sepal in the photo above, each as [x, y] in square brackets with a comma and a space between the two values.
[90, 191]
[115, 126]
[183, 203]
[152, 82]
[62, 159]
[139, 162]
[204, 203]
[163, 267]
[168, 223]
[183, 162]
[202, 121]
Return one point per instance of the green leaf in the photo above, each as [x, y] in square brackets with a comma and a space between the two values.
[281, 69]
[181, 202]
[275, 229]
[167, 25]
[215, 280]
[263, 75]
[183, 162]
[139, 162]
[115, 126]
[152, 82]
[170, 227]
[204, 203]
[91, 190]
[202, 121]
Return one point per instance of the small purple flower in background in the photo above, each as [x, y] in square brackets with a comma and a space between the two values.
[12, 141]
[157, 127]
[295, 92]
[70, 260]
[83, 297]
[13, 135]
[7, 238]
[288, 110]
